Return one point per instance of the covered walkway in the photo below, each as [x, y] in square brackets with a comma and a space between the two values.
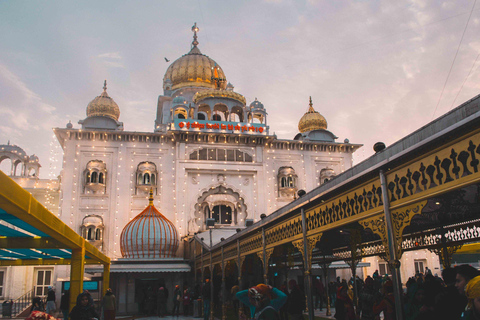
[31, 235]
[422, 192]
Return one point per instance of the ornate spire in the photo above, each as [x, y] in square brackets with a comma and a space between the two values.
[105, 86]
[195, 29]
[150, 197]
[310, 108]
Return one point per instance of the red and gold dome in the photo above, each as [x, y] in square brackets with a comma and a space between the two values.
[149, 235]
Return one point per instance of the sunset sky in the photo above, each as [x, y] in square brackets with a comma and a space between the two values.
[376, 70]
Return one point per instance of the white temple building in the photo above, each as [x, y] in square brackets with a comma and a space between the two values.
[210, 154]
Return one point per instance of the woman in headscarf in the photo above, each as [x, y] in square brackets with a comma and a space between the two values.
[343, 305]
[84, 310]
[264, 301]
[415, 299]
[472, 291]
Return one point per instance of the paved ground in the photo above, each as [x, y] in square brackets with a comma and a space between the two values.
[181, 317]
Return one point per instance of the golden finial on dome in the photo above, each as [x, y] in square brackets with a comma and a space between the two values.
[103, 106]
[195, 29]
[312, 120]
[310, 109]
[150, 197]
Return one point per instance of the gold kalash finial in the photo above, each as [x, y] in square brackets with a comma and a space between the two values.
[195, 29]
[150, 197]
[310, 108]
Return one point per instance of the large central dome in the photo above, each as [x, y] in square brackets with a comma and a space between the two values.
[194, 69]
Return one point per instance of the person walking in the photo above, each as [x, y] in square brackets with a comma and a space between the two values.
[51, 301]
[109, 305]
[187, 301]
[366, 300]
[206, 297]
[84, 310]
[65, 304]
[343, 305]
[177, 297]
[296, 301]
[387, 304]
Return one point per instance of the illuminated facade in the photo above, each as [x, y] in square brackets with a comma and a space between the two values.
[210, 155]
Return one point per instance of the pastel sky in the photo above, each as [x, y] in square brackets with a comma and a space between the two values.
[374, 69]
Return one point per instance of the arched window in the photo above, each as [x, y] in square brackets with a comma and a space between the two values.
[90, 234]
[146, 176]
[95, 176]
[216, 117]
[146, 179]
[92, 230]
[201, 116]
[290, 182]
[326, 175]
[180, 116]
[222, 214]
[287, 182]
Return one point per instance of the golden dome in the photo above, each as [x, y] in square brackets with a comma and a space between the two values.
[312, 120]
[199, 96]
[103, 106]
[194, 69]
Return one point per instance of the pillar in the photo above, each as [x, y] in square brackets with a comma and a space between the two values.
[77, 267]
[394, 262]
[106, 278]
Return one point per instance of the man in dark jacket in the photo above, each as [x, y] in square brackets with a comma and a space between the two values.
[65, 303]
[206, 297]
[296, 301]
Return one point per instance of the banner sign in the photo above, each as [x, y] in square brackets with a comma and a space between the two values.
[219, 126]
[87, 285]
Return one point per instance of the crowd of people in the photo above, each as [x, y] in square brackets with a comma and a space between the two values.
[453, 296]
[84, 308]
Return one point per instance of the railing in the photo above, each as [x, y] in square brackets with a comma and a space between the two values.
[22, 303]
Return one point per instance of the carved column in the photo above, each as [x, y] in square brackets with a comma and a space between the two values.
[306, 252]
[390, 228]
[224, 293]
[239, 261]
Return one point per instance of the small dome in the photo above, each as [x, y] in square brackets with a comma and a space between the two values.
[256, 104]
[13, 149]
[69, 125]
[312, 120]
[149, 235]
[179, 100]
[103, 106]
[194, 69]
[33, 159]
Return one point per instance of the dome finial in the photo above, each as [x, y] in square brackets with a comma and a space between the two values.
[150, 197]
[105, 86]
[195, 29]
[310, 108]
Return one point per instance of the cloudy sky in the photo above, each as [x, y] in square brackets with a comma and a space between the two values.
[377, 70]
